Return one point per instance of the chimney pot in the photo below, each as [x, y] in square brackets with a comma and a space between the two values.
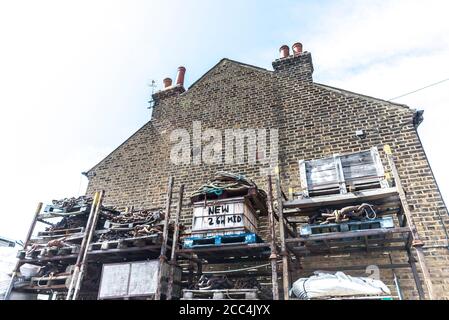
[297, 48]
[284, 51]
[167, 82]
[180, 76]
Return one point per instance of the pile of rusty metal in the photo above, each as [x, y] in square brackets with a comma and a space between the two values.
[69, 223]
[222, 282]
[213, 283]
[206, 283]
[247, 283]
[133, 224]
[229, 185]
[81, 206]
[138, 217]
[72, 222]
[67, 205]
[364, 211]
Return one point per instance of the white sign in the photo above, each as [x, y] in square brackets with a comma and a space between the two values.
[223, 216]
[129, 279]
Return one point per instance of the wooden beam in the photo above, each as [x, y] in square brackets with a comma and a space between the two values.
[25, 245]
[332, 200]
[273, 256]
[284, 253]
[175, 237]
[417, 243]
[84, 245]
[305, 252]
[153, 248]
[348, 234]
[90, 231]
[359, 268]
[163, 257]
[411, 261]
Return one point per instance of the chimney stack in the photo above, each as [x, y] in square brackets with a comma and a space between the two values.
[180, 76]
[167, 83]
[297, 48]
[284, 51]
[169, 89]
[298, 65]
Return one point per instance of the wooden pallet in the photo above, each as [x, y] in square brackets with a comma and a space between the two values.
[339, 174]
[48, 252]
[115, 225]
[49, 282]
[59, 233]
[221, 240]
[154, 239]
[226, 294]
[385, 222]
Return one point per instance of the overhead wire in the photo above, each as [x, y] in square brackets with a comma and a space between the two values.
[420, 89]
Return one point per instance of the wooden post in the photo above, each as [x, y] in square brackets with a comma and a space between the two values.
[83, 245]
[284, 253]
[90, 233]
[163, 257]
[417, 243]
[411, 261]
[173, 258]
[25, 245]
[273, 256]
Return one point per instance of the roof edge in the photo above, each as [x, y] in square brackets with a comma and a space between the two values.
[86, 173]
[230, 60]
[338, 90]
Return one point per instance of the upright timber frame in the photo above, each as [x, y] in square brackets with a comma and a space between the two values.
[236, 253]
[86, 254]
[78, 259]
[403, 237]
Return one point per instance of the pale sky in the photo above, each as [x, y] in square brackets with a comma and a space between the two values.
[74, 75]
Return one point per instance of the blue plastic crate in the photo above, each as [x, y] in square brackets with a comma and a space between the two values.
[221, 240]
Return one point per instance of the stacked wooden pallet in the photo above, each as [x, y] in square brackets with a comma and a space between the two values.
[226, 294]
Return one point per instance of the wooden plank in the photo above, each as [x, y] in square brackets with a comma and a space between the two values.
[173, 256]
[303, 251]
[314, 188]
[359, 171]
[163, 255]
[363, 157]
[303, 177]
[340, 174]
[349, 234]
[356, 241]
[321, 164]
[379, 167]
[359, 268]
[359, 196]
[153, 248]
[81, 264]
[273, 247]
[282, 235]
[325, 177]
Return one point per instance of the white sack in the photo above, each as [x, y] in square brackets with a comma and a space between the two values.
[7, 263]
[323, 285]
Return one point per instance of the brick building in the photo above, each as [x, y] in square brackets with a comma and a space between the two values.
[313, 121]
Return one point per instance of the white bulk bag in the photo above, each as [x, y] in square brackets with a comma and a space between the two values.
[322, 285]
